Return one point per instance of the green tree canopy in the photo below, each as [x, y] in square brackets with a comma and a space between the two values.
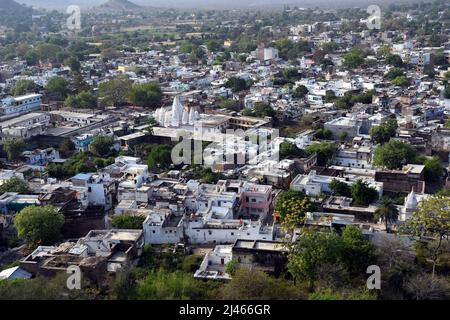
[114, 92]
[383, 133]
[387, 212]
[83, 100]
[340, 188]
[300, 92]
[325, 152]
[15, 184]
[23, 87]
[14, 148]
[39, 225]
[101, 145]
[124, 221]
[160, 156]
[362, 193]
[394, 154]
[237, 84]
[147, 95]
[58, 88]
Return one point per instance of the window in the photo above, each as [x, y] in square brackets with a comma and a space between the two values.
[89, 189]
[153, 231]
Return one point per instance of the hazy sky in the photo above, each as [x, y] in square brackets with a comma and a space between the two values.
[220, 4]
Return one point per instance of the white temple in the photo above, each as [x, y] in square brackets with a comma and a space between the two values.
[177, 115]
[412, 201]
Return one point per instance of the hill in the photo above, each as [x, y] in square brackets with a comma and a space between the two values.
[119, 5]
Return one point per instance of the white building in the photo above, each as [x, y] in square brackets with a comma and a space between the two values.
[20, 105]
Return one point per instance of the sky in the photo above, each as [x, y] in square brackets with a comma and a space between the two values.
[212, 4]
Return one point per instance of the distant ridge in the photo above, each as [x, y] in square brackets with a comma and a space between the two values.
[10, 5]
[119, 5]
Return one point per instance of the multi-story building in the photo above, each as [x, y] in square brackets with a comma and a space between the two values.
[20, 105]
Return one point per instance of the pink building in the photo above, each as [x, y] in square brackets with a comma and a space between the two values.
[256, 200]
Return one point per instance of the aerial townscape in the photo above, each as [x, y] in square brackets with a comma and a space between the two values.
[287, 151]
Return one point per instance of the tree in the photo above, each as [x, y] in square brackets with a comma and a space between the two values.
[124, 221]
[160, 156]
[340, 188]
[383, 133]
[362, 193]
[323, 134]
[73, 63]
[15, 184]
[236, 84]
[325, 152]
[357, 252]
[14, 148]
[434, 169]
[213, 45]
[387, 212]
[232, 267]
[424, 287]
[147, 95]
[289, 149]
[39, 225]
[248, 284]
[310, 251]
[114, 92]
[394, 60]
[66, 148]
[58, 88]
[353, 59]
[432, 219]
[394, 73]
[164, 285]
[101, 145]
[300, 92]
[24, 86]
[401, 81]
[151, 122]
[83, 100]
[260, 110]
[291, 74]
[293, 213]
[394, 154]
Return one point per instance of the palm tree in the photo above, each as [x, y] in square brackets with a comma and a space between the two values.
[387, 212]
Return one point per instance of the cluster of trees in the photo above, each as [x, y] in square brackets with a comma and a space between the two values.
[397, 77]
[15, 184]
[83, 100]
[325, 152]
[354, 58]
[349, 99]
[237, 84]
[82, 162]
[331, 260]
[39, 225]
[289, 50]
[289, 149]
[384, 132]
[14, 148]
[292, 207]
[395, 154]
[260, 110]
[23, 87]
[119, 90]
[125, 221]
[360, 191]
